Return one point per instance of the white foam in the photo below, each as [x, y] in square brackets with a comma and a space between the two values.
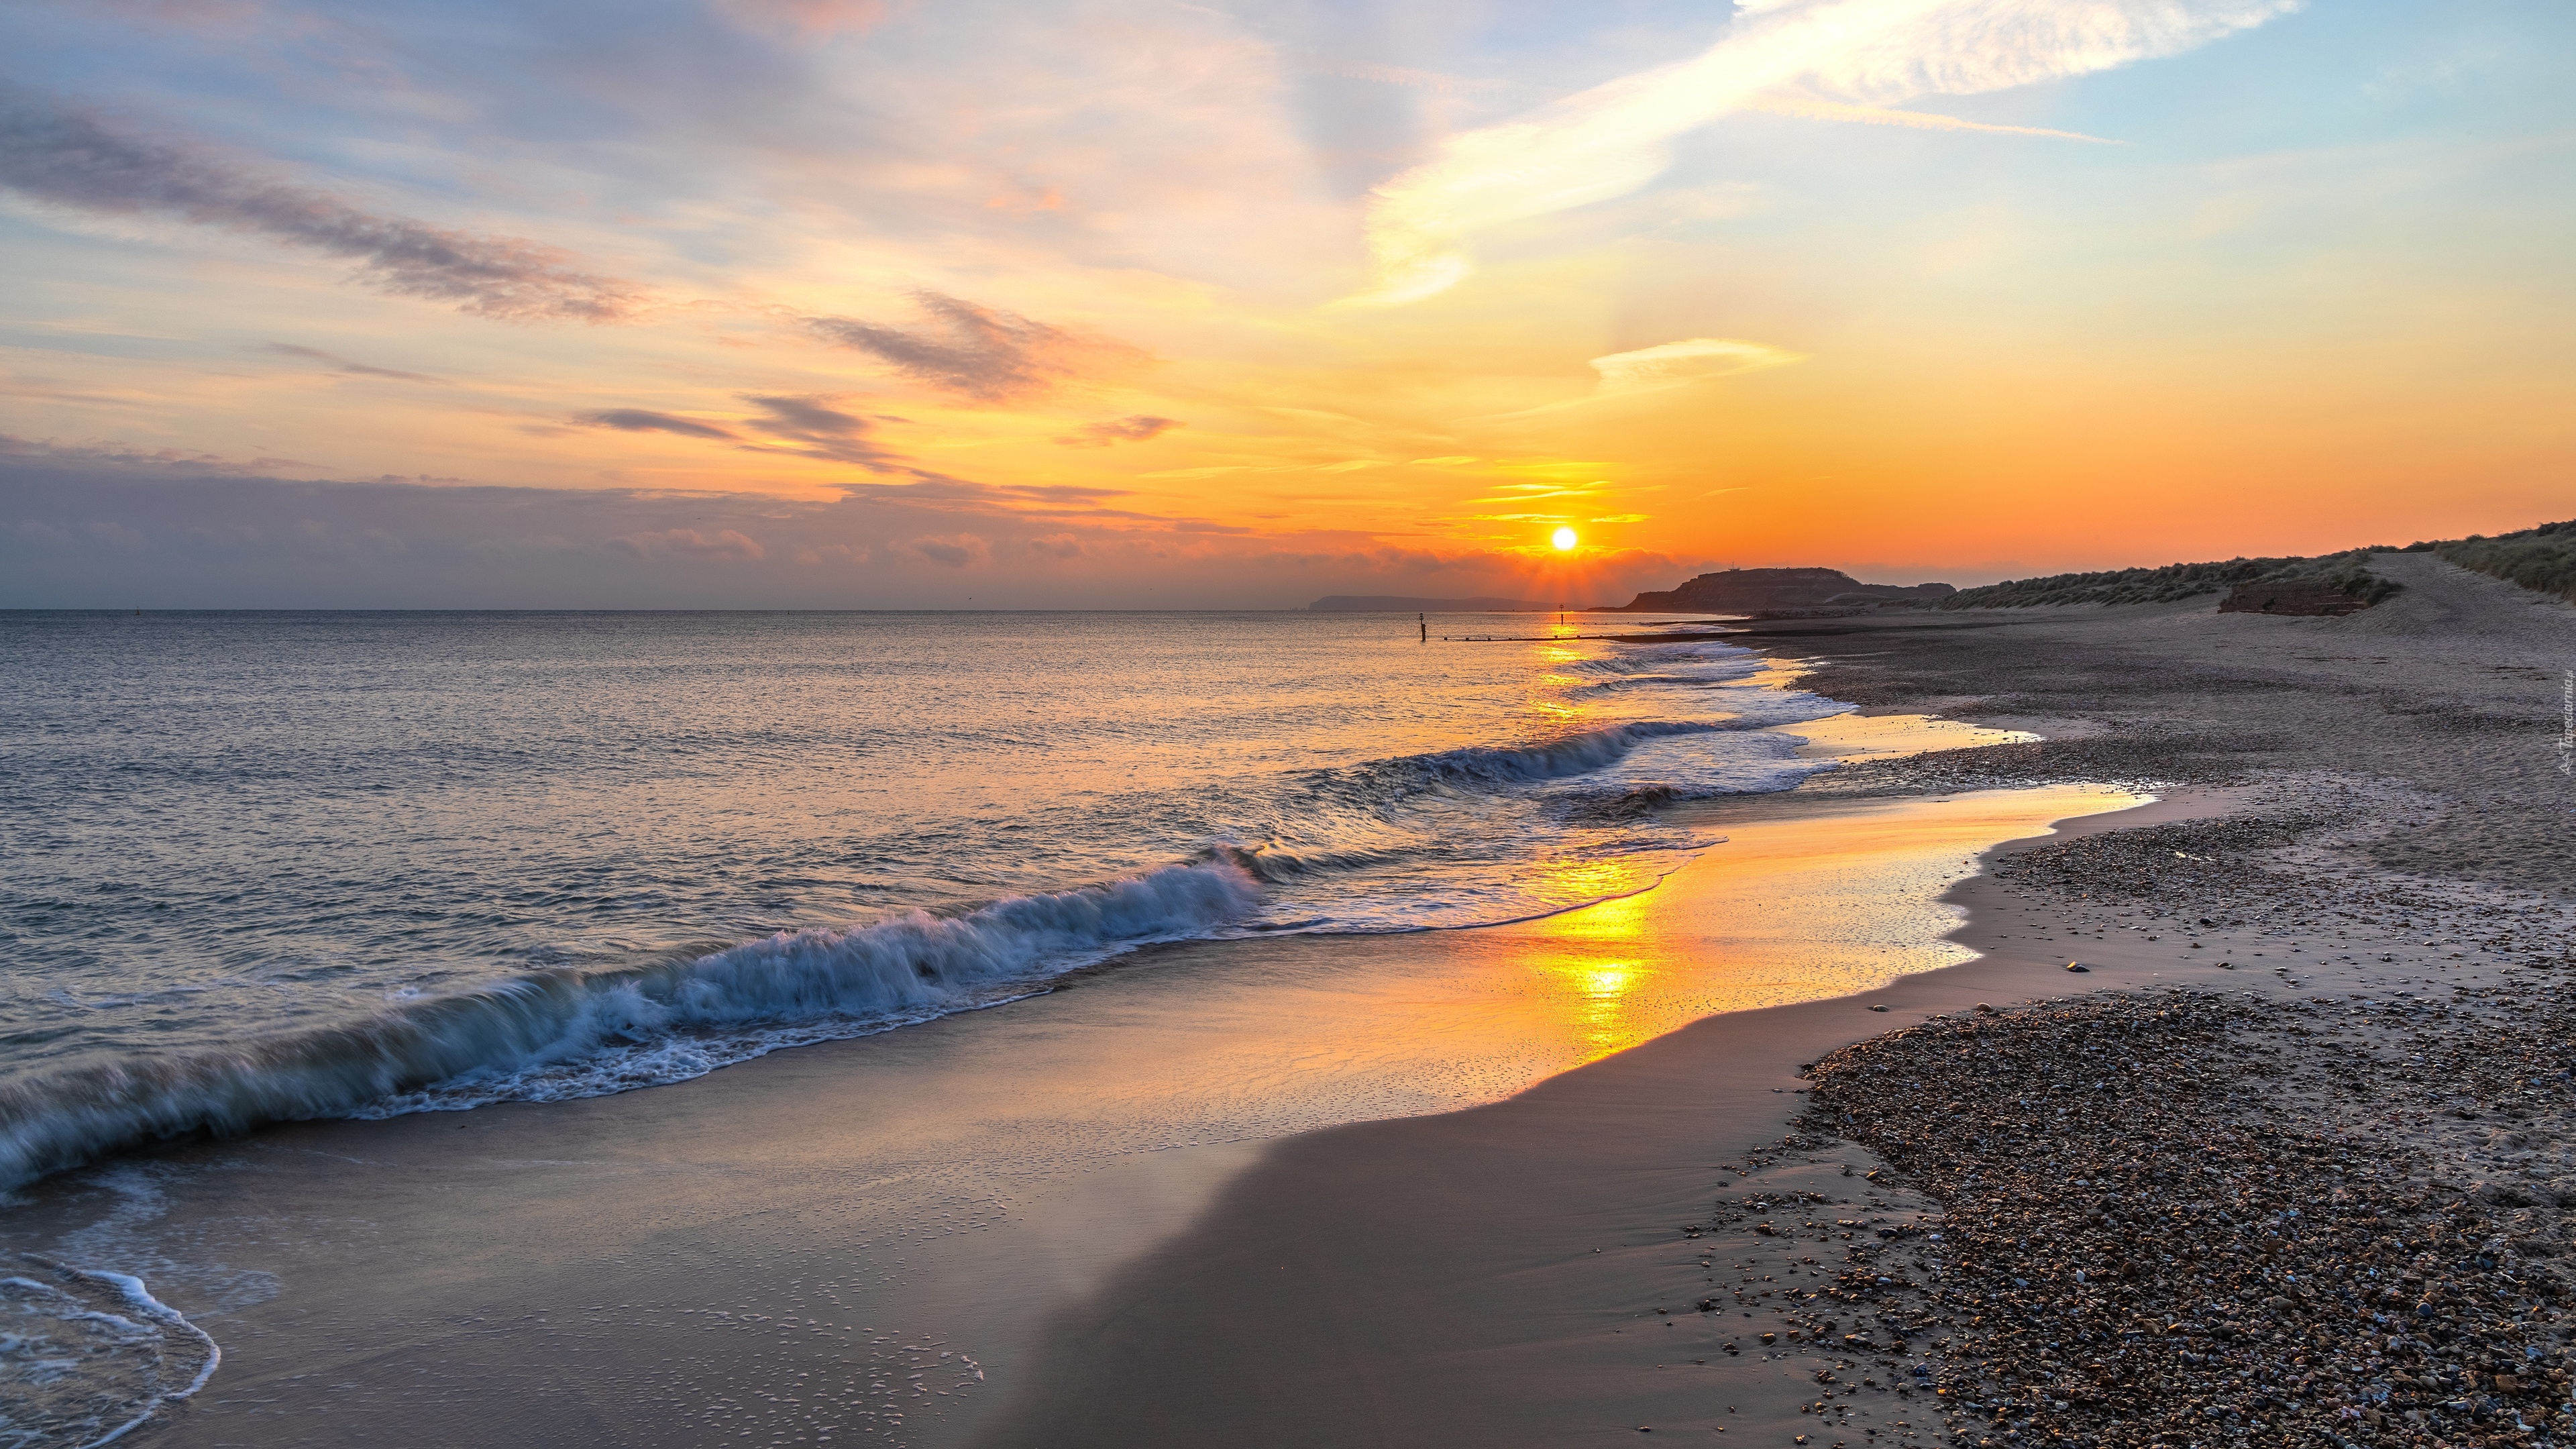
[560, 1034]
[115, 1376]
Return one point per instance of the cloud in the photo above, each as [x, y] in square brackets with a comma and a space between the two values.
[1615, 138]
[342, 364]
[63, 156]
[821, 432]
[642, 420]
[805, 427]
[1816, 110]
[1672, 363]
[724, 543]
[121, 456]
[978, 352]
[955, 551]
[1134, 428]
[805, 17]
[90, 528]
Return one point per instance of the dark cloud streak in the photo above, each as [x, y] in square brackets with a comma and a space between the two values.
[802, 427]
[342, 364]
[822, 432]
[57, 154]
[642, 420]
[978, 352]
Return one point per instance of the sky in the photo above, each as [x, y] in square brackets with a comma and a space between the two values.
[1104, 303]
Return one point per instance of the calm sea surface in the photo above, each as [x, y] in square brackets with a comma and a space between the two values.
[267, 866]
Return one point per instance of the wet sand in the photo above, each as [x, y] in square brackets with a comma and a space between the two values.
[1512, 1274]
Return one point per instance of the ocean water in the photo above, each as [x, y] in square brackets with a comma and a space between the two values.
[278, 866]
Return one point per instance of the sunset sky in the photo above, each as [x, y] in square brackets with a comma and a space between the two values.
[1104, 302]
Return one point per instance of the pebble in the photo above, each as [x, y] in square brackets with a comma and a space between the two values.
[2175, 1219]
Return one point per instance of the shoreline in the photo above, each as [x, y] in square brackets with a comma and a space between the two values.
[1405, 1237]
[1506, 1274]
[761, 1249]
[868, 1234]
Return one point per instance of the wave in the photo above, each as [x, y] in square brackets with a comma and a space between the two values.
[90, 1351]
[1276, 863]
[1385, 846]
[552, 1035]
[1581, 753]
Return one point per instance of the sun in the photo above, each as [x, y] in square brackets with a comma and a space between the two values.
[1564, 539]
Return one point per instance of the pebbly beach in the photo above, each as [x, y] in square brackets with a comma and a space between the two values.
[2317, 1198]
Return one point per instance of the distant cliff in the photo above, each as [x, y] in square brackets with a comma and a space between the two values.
[1760, 591]
[1399, 604]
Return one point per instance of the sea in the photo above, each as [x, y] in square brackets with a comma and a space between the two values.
[280, 866]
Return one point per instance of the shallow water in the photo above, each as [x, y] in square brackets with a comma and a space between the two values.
[358, 866]
[272, 866]
[861, 1242]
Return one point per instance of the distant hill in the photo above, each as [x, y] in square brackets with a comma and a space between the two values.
[1758, 591]
[1400, 604]
[2335, 583]
[2542, 559]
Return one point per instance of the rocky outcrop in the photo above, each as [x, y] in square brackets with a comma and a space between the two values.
[1757, 591]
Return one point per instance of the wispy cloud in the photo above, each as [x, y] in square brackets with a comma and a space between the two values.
[1134, 428]
[644, 420]
[58, 154]
[1615, 138]
[807, 427]
[1690, 359]
[979, 352]
[342, 364]
[123, 456]
[818, 431]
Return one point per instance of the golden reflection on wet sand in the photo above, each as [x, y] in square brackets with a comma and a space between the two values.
[1784, 910]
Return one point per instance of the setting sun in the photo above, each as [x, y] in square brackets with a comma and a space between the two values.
[1563, 538]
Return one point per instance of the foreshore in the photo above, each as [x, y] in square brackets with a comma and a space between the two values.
[2356, 882]
[1124, 1213]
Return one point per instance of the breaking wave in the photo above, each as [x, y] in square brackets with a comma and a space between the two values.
[1574, 754]
[1441, 839]
[553, 1035]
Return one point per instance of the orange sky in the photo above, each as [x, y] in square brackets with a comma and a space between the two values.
[989, 303]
